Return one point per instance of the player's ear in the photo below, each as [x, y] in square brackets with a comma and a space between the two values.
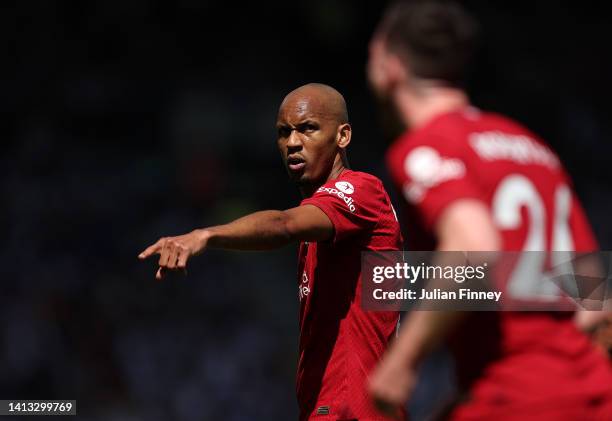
[397, 70]
[343, 138]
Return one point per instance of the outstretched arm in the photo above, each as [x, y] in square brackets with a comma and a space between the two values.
[465, 226]
[263, 230]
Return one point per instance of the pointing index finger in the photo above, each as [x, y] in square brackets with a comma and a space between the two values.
[155, 248]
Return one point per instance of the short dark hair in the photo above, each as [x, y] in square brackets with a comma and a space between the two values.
[436, 38]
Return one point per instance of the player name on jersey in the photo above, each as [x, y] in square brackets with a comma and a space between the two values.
[522, 149]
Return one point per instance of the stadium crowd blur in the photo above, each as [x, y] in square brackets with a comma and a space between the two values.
[126, 119]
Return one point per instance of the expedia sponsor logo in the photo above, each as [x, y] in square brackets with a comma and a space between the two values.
[343, 185]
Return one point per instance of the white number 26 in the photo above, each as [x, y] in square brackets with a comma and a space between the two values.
[528, 278]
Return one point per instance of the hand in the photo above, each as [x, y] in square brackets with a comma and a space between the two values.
[175, 251]
[602, 335]
[391, 384]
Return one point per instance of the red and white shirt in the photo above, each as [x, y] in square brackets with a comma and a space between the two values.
[339, 342]
[503, 358]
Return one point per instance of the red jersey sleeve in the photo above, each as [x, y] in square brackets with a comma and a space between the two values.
[351, 202]
[432, 175]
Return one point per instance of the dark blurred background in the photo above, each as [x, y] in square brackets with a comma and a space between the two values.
[129, 120]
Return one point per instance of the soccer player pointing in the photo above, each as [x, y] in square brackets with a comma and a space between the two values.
[343, 213]
[313, 133]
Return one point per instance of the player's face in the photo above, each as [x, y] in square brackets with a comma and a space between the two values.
[307, 140]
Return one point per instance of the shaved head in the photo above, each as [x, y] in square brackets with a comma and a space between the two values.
[313, 133]
[319, 98]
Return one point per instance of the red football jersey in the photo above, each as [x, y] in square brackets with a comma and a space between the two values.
[339, 342]
[507, 361]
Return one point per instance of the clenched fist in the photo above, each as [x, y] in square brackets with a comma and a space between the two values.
[174, 252]
[603, 335]
[391, 384]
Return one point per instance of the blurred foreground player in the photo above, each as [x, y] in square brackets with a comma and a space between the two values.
[343, 213]
[477, 181]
